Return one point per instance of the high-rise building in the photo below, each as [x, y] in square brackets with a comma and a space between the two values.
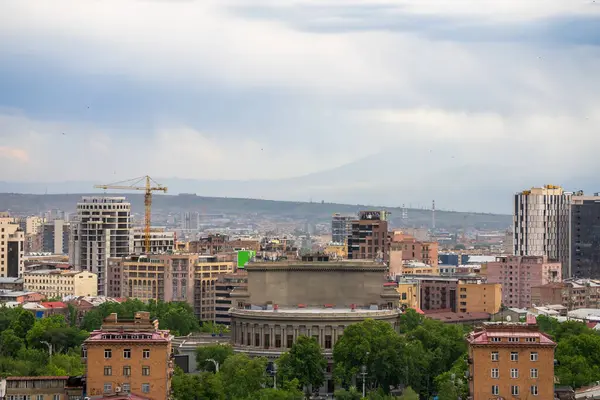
[51, 215]
[31, 225]
[190, 221]
[519, 274]
[369, 238]
[55, 237]
[12, 247]
[161, 241]
[129, 357]
[509, 361]
[541, 224]
[101, 230]
[584, 256]
[341, 227]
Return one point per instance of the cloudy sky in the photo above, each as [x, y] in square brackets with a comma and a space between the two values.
[372, 101]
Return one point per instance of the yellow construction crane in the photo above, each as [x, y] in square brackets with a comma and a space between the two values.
[149, 187]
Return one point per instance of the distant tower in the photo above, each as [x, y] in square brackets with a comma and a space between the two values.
[404, 215]
[433, 215]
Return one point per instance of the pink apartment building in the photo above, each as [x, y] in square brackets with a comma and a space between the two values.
[518, 274]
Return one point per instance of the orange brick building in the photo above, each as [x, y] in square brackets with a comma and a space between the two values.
[415, 250]
[129, 356]
[510, 361]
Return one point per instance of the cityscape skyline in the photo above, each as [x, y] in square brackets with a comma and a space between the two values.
[462, 115]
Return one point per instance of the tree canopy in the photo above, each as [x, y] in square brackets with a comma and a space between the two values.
[304, 362]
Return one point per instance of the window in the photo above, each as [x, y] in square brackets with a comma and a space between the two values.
[530, 339]
[514, 356]
[107, 371]
[145, 388]
[126, 371]
[257, 339]
[533, 356]
[495, 390]
[277, 341]
[145, 371]
[495, 373]
[126, 387]
[534, 373]
[40, 397]
[290, 341]
[534, 390]
[495, 339]
[56, 397]
[127, 353]
[328, 344]
[514, 390]
[108, 388]
[107, 353]
[494, 356]
[514, 373]
[146, 353]
[513, 339]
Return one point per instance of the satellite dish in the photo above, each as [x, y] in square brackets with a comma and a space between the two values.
[508, 318]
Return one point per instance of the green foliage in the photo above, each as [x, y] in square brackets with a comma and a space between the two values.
[218, 352]
[410, 320]
[409, 394]
[210, 327]
[178, 317]
[195, 387]
[304, 362]
[242, 376]
[10, 343]
[351, 394]
[289, 392]
[453, 384]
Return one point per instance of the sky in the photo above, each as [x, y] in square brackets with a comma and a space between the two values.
[358, 101]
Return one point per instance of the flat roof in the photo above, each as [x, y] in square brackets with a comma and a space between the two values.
[317, 310]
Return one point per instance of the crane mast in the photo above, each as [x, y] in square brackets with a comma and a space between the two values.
[149, 187]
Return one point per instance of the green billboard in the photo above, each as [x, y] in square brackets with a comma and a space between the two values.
[243, 256]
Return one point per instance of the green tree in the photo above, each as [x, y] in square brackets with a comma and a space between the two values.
[92, 320]
[243, 376]
[40, 328]
[196, 387]
[10, 343]
[304, 362]
[375, 345]
[350, 394]
[452, 384]
[23, 322]
[410, 320]
[288, 392]
[409, 394]
[219, 353]
[65, 365]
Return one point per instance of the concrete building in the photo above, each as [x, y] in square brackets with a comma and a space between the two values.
[56, 283]
[129, 356]
[161, 241]
[11, 284]
[572, 294]
[341, 227]
[172, 277]
[415, 250]
[101, 230]
[190, 221]
[226, 284]
[518, 274]
[12, 247]
[409, 294]
[541, 224]
[33, 243]
[55, 237]
[369, 238]
[319, 299]
[584, 256]
[42, 387]
[508, 361]
[479, 297]
[31, 225]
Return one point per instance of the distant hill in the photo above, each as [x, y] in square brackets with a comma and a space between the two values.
[315, 212]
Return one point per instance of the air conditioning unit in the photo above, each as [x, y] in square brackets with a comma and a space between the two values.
[118, 389]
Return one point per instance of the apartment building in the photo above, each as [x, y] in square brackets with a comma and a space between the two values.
[161, 241]
[409, 294]
[368, 238]
[341, 227]
[508, 361]
[572, 294]
[584, 240]
[479, 297]
[57, 283]
[518, 274]
[31, 225]
[55, 237]
[226, 283]
[12, 247]
[415, 250]
[42, 388]
[129, 356]
[101, 230]
[172, 277]
[541, 224]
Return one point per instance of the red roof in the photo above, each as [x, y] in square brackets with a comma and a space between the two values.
[484, 336]
[419, 311]
[123, 396]
[54, 304]
[591, 325]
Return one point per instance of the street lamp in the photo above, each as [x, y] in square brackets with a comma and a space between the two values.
[49, 346]
[364, 376]
[274, 376]
[214, 362]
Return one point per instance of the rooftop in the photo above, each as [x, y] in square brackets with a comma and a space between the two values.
[299, 265]
[36, 378]
[14, 293]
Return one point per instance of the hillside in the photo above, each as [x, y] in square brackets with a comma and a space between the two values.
[19, 204]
